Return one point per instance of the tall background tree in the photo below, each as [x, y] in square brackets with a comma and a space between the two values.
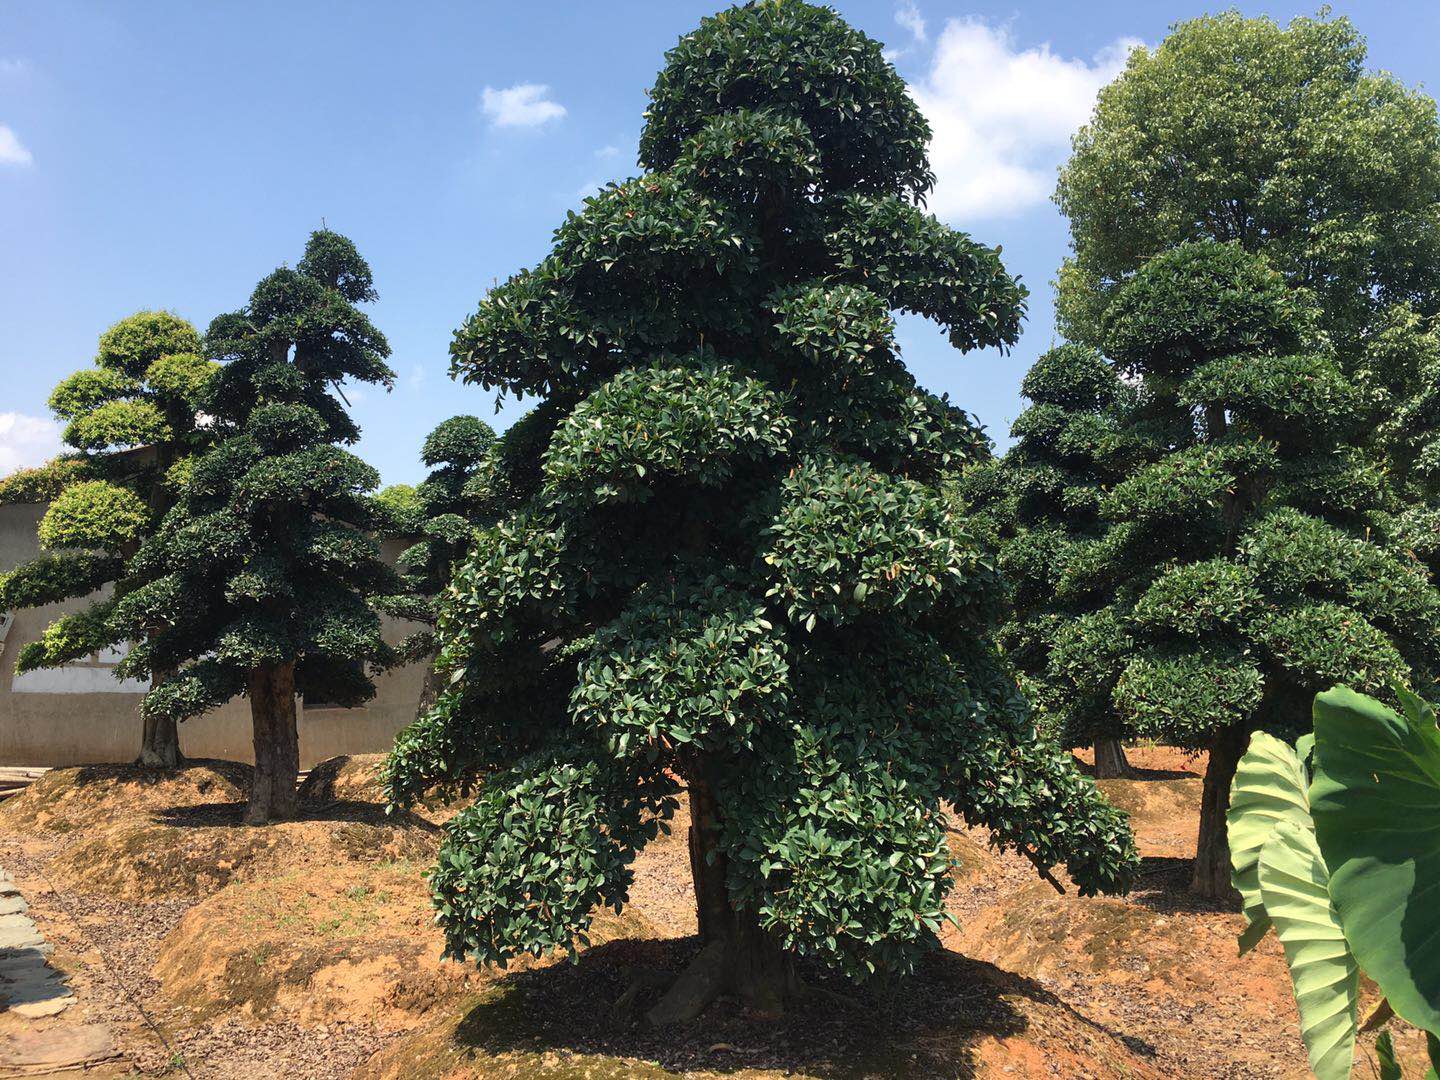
[440, 517]
[1243, 563]
[1275, 138]
[263, 576]
[727, 556]
[135, 423]
[1079, 436]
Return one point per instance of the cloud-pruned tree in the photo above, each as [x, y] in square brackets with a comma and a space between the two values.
[135, 423]
[724, 555]
[264, 576]
[1243, 563]
[439, 520]
[1082, 433]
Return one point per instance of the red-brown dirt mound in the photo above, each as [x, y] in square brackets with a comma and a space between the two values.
[132, 833]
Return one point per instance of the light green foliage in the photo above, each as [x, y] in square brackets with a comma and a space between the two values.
[88, 389]
[133, 344]
[135, 419]
[1277, 138]
[43, 483]
[721, 548]
[1332, 842]
[120, 424]
[402, 504]
[94, 515]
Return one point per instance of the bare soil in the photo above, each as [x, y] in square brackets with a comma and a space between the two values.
[308, 950]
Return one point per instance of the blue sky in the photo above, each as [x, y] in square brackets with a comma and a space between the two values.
[170, 154]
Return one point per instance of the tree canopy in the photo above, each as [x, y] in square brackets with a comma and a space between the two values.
[1079, 436]
[1248, 565]
[1275, 138]
[135, 423]
[263, 578]
[730, 494]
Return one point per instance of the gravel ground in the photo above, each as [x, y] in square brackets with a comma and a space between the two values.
[109, 947]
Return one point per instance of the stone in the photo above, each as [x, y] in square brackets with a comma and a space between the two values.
[62, 1047]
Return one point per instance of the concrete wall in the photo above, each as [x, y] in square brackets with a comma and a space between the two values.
[81, 713]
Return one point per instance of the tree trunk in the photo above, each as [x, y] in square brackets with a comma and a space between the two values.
[736, 955]
[1212, 847]
[160, 743]
[273, 796]
[429, 689]
[160, 746]
[1110, 760]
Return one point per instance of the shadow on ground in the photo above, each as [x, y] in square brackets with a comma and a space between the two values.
[232, 815]
[559, 1021]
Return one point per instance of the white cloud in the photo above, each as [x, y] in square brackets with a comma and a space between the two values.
[1003, 116]
[522, 105]
[908, 16]
[13, 67]
[12, 150]
[26, 441]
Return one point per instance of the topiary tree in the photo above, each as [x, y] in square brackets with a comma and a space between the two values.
[263, 576]
[1275, 138]
[725, 562]
[135, 423]
[1081, 434]
[437, 516]
[1243, 561]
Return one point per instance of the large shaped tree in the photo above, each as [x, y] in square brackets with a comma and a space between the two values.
[263, 576]
[1082, 433]
[135, 423]
[1244, 561]
[726, 558]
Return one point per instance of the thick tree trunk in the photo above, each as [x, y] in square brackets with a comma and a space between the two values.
[160, 746]
[1212, 847]
[736, 956]
[160, 743]
[1110, 760]
[273, 796]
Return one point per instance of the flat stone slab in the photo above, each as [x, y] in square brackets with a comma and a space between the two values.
[66, 1046]
[29, 986]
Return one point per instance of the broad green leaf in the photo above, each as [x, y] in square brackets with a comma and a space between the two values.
[1385, 1055]
[1327, 983]
[1376, 805]
[1269, 787]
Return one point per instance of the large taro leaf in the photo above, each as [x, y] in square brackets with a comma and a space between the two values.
[1327, 983]
[1376, 804]
[1269, 787]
